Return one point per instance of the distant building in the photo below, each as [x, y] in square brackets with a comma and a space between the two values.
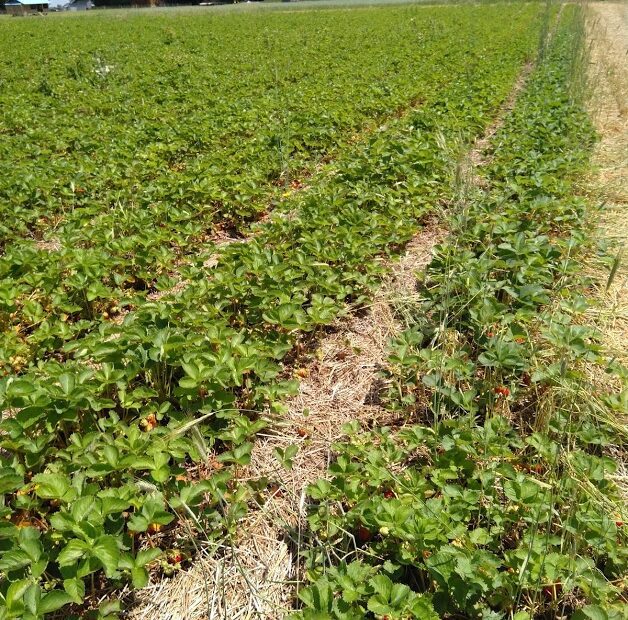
[25, 7]
[80, 5]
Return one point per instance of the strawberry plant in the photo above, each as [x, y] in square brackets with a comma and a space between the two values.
[496, 497]
[142, 348]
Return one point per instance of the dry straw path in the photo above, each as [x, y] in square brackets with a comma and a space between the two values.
[257, 576]
[608, 33]
[608, 81]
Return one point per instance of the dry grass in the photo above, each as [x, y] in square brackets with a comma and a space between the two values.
[179, 287]
[51, 245]
[608, 33]
[608, 79]
[245, 580]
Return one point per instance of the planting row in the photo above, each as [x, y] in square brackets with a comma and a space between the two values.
[118, 434]
[114, 175]
[495, 498]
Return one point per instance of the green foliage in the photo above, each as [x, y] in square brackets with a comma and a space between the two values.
[501, 504]
[137, 352]
[473, 515]
[353, 590]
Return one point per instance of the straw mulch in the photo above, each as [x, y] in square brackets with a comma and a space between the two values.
[258, 576]
[608, 82]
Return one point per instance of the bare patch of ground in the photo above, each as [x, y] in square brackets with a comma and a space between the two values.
[52, 245]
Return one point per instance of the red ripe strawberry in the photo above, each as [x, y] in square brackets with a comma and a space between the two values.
[363, 534]
[388, 493]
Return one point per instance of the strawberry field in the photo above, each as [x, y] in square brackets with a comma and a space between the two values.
[189, 200]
